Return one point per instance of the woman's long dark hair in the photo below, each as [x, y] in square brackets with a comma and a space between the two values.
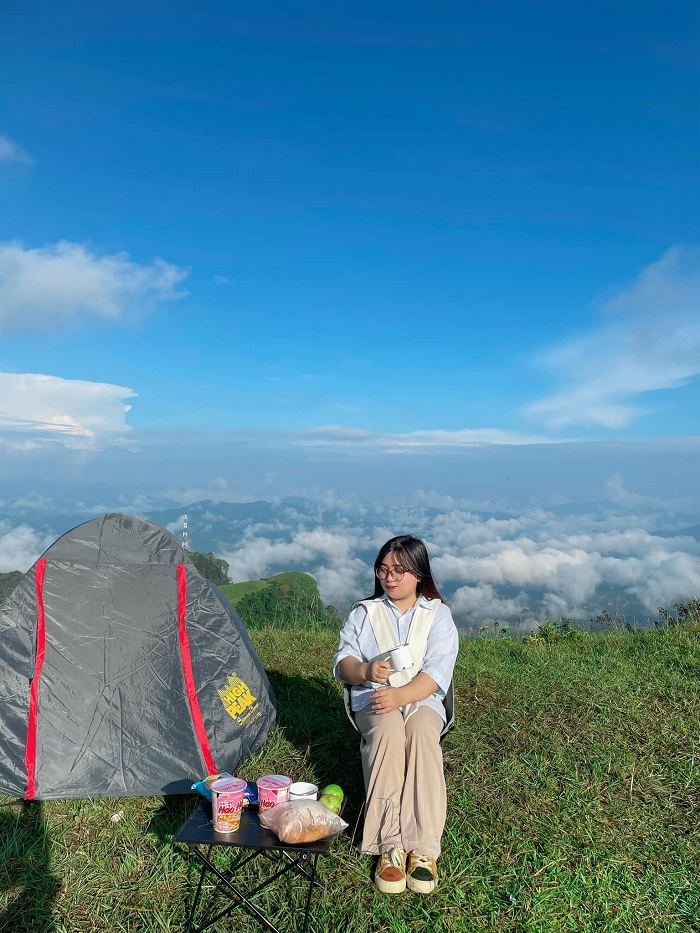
[411, 553]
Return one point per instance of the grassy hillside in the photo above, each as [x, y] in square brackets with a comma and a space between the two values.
[302, 582]
[573, 784]
[236, 591]
[286, 600]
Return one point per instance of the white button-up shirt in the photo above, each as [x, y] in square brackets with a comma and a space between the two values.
[357, 641]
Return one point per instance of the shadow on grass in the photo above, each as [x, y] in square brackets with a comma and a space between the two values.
[28, 888]
[310, 711]
[166, 821]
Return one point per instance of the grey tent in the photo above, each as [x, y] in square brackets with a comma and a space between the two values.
[123, 672]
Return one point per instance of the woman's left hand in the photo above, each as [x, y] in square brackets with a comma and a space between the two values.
[386, 699]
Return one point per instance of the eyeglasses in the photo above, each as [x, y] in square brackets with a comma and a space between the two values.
[383, 573]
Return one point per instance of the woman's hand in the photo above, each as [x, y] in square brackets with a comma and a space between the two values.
[386, 699]
[354, 671]
[378, 672]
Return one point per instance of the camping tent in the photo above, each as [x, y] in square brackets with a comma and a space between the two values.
[123, 672]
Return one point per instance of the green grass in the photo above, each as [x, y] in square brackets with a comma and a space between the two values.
[236, 591]
[573, 784]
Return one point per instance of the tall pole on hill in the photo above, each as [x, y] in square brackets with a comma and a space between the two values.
[185, 537]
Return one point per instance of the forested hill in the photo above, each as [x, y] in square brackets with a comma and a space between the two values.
[287, 600]
[8, 581]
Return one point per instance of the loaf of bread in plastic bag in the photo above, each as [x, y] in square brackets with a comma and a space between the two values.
[302, 821]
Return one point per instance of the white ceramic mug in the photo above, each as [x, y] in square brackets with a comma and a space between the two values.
[303, 791]
[400, 658]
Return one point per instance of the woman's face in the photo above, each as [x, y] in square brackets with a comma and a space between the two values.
[397, 590]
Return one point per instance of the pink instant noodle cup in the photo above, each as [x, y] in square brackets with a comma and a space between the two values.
[272, 789]
[227, 803]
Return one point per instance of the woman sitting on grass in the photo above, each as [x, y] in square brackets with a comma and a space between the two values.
[401, 715]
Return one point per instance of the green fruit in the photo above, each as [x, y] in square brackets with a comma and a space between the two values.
[332, 802]
[335, 790]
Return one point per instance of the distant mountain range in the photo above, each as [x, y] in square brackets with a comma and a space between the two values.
[213, 522]
[692, 532]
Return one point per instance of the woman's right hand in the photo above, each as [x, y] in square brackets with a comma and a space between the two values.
[378, 672]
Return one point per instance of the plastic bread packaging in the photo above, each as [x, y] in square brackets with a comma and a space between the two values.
[302, 821]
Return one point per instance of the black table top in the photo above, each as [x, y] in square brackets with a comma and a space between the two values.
[249, 835]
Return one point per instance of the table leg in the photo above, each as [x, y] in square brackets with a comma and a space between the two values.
[245, 899]
[190, 918]
[314, 859]
[242, 899]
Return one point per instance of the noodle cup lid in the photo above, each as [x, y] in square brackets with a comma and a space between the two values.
[274, 782]
[214, 777]
[229, 785]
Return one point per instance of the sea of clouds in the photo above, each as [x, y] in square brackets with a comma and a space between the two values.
[516, 568]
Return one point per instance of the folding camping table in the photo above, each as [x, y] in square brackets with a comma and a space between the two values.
[254, 841]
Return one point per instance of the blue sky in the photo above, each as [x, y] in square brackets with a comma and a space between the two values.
[319, 229]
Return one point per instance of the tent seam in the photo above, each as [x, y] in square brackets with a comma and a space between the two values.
[30, 751]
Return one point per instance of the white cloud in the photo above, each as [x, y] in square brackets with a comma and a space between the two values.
[482, 603]
[66, 282]
[468, 437]
[670, 284]
[10, 151]
[337, 432]
[217, 490]
[614, 489]
[328, 555]
[74, 412]
[21, 546]
[333, 434]
[651, 341]
[175, 528]
[558, 565]
[16, 446]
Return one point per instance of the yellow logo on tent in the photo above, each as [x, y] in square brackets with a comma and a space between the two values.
[236, 697]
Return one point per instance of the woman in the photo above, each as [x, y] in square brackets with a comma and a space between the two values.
[401, 714]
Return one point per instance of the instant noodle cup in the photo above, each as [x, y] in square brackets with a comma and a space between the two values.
[227, 803]
[272, 789]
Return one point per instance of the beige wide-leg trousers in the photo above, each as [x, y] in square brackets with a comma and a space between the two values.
[406, 801]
